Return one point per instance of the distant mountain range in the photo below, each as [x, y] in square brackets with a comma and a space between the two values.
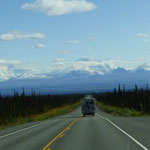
[76, 78]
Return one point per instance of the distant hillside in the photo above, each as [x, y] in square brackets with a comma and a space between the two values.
[84, 75]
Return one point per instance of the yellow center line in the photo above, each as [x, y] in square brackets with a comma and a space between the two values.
[60, 134]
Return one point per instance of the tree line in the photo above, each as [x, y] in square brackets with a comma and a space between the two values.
[18, 106]
[138, 99]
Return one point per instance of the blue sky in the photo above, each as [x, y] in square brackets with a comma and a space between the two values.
[34, 32]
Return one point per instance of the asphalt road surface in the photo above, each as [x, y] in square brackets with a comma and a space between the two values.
[73, 132]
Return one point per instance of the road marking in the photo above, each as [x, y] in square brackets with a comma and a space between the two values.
[61, 133]
[12, 133]
[142, 146]
[9, 134]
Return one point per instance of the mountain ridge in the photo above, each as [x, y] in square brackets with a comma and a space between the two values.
[83, 75]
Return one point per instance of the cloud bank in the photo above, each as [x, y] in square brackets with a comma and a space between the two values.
[143, 35]
[59, 7]
[16, 68]
[20, 36]
[39, 45]
[4, 62]
[73, 41]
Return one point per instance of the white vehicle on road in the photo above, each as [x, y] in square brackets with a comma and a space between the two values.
[88, 106]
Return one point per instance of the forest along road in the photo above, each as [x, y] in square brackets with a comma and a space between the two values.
[73, 132]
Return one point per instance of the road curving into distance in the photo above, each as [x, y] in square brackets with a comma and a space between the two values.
[74, 132]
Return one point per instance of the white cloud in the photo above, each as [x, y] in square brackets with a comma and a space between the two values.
[73, 41]
[12, 68]
[145, 66]
[59, 60]
[19, 36]
[82, 64]
[6, 67]
[143, 35]
[59, 7]
[147, 40]
[112, 63]
[59, 64]
[39, 45]
[4, 62]
[65, 51]
[91, 38]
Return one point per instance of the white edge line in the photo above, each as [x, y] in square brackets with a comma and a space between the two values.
[142, 146]
[9, 134]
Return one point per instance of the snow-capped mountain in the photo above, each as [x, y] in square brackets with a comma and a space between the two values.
[92, 65]
[8, 72]
[82, 75]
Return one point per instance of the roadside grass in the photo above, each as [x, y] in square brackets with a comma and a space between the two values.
[118, 111]
[46, 115]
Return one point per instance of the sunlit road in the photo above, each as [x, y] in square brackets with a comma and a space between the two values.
[73, 132]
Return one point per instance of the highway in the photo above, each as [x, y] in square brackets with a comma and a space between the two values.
[74, 132]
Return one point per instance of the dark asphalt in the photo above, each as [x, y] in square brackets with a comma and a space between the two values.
[87, 133]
